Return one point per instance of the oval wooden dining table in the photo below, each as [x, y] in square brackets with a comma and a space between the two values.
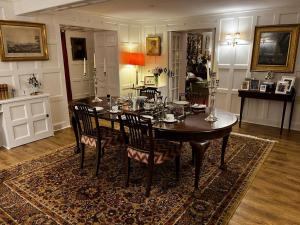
[195, 129]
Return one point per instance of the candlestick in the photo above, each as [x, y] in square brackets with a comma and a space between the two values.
[208, 74]
[84, 67]
[96, 87]
[94, 60]
[104, 65]
[212, 85]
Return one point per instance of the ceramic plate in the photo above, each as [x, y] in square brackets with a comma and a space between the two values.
[170, 121]
[181, 102]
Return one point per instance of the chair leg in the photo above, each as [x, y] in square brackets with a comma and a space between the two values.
[177, 162]
[82, 147]
[128, 172]
[98, 158]
[150, 175]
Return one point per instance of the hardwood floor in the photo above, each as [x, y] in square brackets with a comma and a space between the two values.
[273, 197]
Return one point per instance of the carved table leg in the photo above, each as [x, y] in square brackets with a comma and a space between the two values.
[224, 145]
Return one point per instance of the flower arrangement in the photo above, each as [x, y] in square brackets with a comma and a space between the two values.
[157, 71]
[35, 84]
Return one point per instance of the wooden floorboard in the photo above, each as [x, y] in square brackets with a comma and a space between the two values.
[273, 197]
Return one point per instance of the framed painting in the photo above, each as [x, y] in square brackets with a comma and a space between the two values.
[78, 48]
[22, 41]
[275, 48]
[153, 46]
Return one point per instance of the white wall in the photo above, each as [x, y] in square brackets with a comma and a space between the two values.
[233, 63]
[51, 72]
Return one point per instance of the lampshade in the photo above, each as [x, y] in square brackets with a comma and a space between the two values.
[131, 58]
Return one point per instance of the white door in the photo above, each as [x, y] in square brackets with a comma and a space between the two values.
[81, 88]
[106, 49]
[177, 62]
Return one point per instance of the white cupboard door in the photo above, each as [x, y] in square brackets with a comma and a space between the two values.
[18, 129]
[40, 118]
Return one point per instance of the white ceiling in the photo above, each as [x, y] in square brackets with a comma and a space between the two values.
[166, 9]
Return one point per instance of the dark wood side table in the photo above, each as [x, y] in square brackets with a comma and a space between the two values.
[285, 98]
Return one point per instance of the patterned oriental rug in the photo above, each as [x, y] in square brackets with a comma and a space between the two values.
[52, 190]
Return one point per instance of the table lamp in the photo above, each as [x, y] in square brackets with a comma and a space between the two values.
[133, 58]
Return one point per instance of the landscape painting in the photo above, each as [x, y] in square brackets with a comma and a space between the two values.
[23, 41]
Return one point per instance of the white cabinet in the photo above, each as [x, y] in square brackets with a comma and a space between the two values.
[25, 119]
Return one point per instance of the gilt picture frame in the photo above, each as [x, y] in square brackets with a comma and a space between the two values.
[23, 41]
[153, 46]
[275, 48]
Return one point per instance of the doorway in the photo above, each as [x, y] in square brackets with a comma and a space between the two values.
[191, 52]
[100, 50]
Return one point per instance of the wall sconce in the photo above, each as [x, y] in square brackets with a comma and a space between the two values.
[232, 39]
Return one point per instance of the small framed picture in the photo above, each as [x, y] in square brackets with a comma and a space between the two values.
[290, 81]
[245, 85]
[263, 88]
[149, 80]
[254, 85]
[281, 87]
[153, 46]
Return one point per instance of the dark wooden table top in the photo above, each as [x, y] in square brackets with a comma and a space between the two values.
[196, 123]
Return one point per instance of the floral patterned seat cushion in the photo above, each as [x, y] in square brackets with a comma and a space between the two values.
[164, 150]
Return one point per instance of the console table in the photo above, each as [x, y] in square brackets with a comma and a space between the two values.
[285, 98]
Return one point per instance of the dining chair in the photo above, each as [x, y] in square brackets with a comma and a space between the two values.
[90, 132]
[197, 98]
[143, 147]
[150, 92]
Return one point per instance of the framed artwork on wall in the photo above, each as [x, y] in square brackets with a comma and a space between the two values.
[21, 41]
[78, 48]
[275, 48]
[153, 46]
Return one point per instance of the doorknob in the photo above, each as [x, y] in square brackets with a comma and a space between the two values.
[47, 115]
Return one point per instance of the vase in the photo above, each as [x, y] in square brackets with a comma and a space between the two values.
[156, 81]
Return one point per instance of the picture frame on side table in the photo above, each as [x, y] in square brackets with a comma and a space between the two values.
[263, 88]
[23, 41]
[275, 48]
[149, 80]
[290, 81]
[254, 85]
[245, 85]
[281, 87]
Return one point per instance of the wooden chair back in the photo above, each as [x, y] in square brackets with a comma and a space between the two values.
[196, 98]
[84, 115]
[150, 92]
[140, 134]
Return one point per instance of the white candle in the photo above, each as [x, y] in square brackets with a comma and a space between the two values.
[208, 76]
[84, 66]
[218, 77]
[94, 60]
[104, 65]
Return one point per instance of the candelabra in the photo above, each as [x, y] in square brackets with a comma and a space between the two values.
[96, 87]
[212, 86]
